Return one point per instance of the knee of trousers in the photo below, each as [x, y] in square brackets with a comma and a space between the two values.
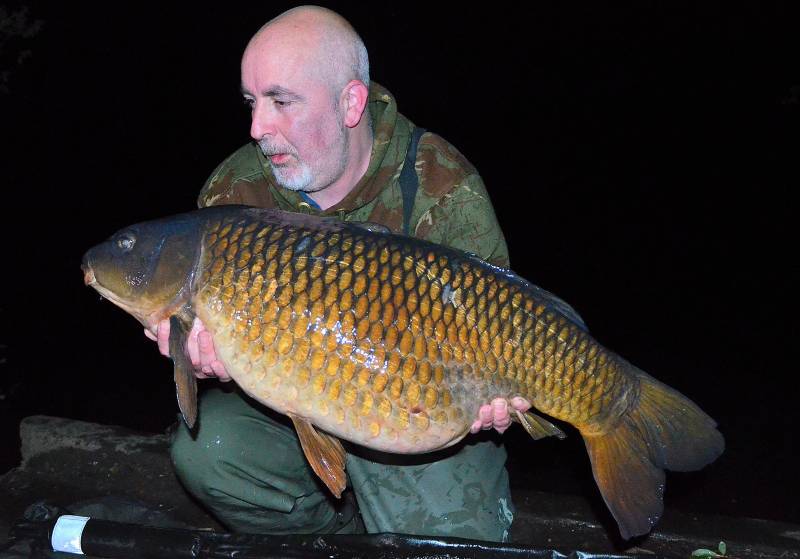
[194, 466]
[465, 495]
[235, 443]
[248, 469]
[196, 454]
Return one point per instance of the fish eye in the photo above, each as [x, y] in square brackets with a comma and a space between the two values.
[126, 242]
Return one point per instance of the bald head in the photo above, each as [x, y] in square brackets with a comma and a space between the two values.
[305, 76]
[319, 41]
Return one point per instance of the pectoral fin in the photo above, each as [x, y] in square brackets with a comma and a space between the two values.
[538, 427]
[185, 382]
[325, 454]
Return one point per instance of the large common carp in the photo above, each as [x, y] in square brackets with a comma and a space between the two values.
[394, 343]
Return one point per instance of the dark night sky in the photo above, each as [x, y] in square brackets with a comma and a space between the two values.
[640, 162]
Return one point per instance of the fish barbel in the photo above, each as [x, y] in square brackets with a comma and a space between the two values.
[394, 343]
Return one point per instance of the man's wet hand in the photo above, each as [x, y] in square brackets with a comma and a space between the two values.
[497, 415]
[199, 346]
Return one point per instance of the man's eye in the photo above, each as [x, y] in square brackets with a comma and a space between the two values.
[282, 103]
[248, 102]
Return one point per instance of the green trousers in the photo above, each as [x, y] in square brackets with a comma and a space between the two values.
[245, 464]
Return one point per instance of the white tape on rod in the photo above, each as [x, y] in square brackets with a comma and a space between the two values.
[67, 533]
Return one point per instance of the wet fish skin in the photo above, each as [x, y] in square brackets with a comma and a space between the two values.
[382, 340]
[394, 343]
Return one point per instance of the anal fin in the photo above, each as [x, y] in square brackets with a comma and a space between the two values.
[325, 454]
[185, 381]
[537, 426]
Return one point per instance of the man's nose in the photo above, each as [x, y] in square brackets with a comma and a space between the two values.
[262, 122]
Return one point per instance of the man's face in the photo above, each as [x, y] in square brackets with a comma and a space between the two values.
[296, 118]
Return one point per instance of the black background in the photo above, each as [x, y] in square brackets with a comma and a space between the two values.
[641, 160]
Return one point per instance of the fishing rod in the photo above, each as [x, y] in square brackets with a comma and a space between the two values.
[117, 540]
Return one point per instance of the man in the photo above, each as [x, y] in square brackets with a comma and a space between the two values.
[328, 142]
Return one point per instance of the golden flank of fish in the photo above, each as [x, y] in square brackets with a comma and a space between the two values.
[394, 343]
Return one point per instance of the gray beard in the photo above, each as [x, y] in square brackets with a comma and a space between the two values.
[296, 181]
[308, 180]
[302, 181]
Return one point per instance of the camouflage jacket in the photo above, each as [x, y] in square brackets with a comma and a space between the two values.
[451, 206]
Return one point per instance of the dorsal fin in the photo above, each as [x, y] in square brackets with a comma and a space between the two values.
[544, 296]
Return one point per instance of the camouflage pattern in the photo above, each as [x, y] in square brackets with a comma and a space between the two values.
[246, 466]
[463, 491]
[451, 207]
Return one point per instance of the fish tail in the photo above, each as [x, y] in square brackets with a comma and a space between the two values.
[660, 429]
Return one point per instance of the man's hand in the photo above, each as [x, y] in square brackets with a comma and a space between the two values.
[497, 415]
[199, 346]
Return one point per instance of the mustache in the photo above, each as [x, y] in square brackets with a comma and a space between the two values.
[268, 148]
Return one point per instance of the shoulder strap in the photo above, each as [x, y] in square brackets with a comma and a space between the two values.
[409, 182]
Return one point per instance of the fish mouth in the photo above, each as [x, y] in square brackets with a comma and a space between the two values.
[88, 272]
[88, 276]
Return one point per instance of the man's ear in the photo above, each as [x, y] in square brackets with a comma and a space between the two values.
[354, 101]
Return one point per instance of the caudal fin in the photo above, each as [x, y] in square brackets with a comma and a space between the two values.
[661, 430]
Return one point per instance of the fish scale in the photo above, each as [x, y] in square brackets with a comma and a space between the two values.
[395, 343]
[380, 342]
